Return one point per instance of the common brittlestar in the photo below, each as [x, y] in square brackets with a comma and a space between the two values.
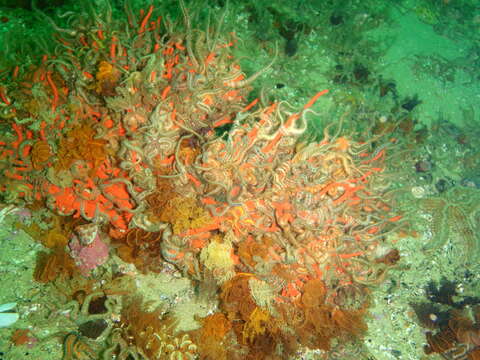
[7, 210]
[455, 215]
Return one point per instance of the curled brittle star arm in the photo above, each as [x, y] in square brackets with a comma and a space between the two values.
[127, 144]
[50, 21]
[84, 215]
[186, 128]
[378, 272]
[298, 129]
[290, 237]
[340, 124]
[8, 210]
[355, 149]
[188, 38]
[178, 164]
[219, 186]
[130, 189]
[383, 234]
[246, 82]
[212, 45]
[217, 213]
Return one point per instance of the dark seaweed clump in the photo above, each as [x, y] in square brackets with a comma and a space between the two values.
[454, 320]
